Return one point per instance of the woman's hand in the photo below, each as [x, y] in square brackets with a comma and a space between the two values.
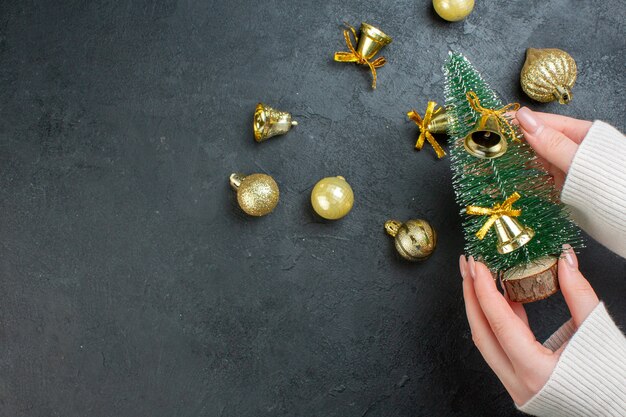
[500, 327]
[554, 138]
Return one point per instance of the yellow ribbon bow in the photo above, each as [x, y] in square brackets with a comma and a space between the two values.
[354, 56]
[503, 122]
[498, 210]
[423, 126]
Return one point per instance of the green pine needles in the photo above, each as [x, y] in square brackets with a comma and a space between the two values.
[485, 182]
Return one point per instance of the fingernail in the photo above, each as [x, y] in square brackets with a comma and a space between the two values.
[472, 267]
[463, 266]
[570, 257]
[528, 121]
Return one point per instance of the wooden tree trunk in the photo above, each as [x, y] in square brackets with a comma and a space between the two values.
[532, 282]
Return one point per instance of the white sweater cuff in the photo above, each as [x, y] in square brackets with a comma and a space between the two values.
[590, 377]
[596, 185]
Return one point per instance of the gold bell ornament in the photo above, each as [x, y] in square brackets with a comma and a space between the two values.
[269, 122]
[510, 233]
[369, 43]
[415, 240]
[257, 194]
[488, 137]
[435, 120]
[332, 198]
[548, 74]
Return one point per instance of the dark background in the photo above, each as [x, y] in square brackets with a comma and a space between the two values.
[132, 285]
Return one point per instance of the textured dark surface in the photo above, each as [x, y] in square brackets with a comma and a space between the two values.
[131, 284]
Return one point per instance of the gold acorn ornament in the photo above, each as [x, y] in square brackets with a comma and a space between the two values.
[548, 74]
[269, 122]
[415, 240]
[257, 194]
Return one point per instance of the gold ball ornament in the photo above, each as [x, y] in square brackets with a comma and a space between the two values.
[548, 74]
[415, 240]
[332, 198]
[453, 10]
[257, 194]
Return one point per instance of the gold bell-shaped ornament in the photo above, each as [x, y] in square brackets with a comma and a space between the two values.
[269, 122]
[369, 42]
[439, 122]
[435, 120]
[488, 137]
[511, 234]
[486, 140]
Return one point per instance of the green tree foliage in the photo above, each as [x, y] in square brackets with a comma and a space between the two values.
[485, 182]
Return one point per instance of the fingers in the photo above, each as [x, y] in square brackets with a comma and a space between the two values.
[581, 299]
[486, 341]
[518, 309]
[574, 129]
[516, 339]
[548, 142]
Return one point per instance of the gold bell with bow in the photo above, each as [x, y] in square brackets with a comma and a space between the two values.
[370, 41]
[488, 137]
[435, 120]
[269, 122]
[510, 233]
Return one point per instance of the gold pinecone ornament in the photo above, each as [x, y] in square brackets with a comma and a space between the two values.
[548, 74]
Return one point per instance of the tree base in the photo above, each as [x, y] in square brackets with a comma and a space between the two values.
[532, 282]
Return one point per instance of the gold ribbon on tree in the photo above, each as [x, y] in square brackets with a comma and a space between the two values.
[499, 114]
[425, 134]
[354, 56]
[495, 212]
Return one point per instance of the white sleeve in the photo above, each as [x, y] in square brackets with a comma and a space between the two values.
[595, 187]
[590, 376]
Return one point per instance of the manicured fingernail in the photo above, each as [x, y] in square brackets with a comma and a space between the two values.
[463, 266]
[528, 121]
[472, 267]
[570, 257]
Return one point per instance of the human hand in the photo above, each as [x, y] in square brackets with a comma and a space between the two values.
[500, 327]
[554, 138]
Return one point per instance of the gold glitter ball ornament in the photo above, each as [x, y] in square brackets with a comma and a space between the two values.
[548, 74]
[257, 194]
[415, 240]
[332, 198]
[453, 10]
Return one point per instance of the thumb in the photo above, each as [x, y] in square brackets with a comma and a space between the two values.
[581, 299]
[552, 145]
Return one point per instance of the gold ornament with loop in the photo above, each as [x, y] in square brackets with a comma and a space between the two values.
[511, 234]
[368, 45]
[434, 121]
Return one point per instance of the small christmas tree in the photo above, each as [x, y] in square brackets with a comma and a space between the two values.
[510, 188]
